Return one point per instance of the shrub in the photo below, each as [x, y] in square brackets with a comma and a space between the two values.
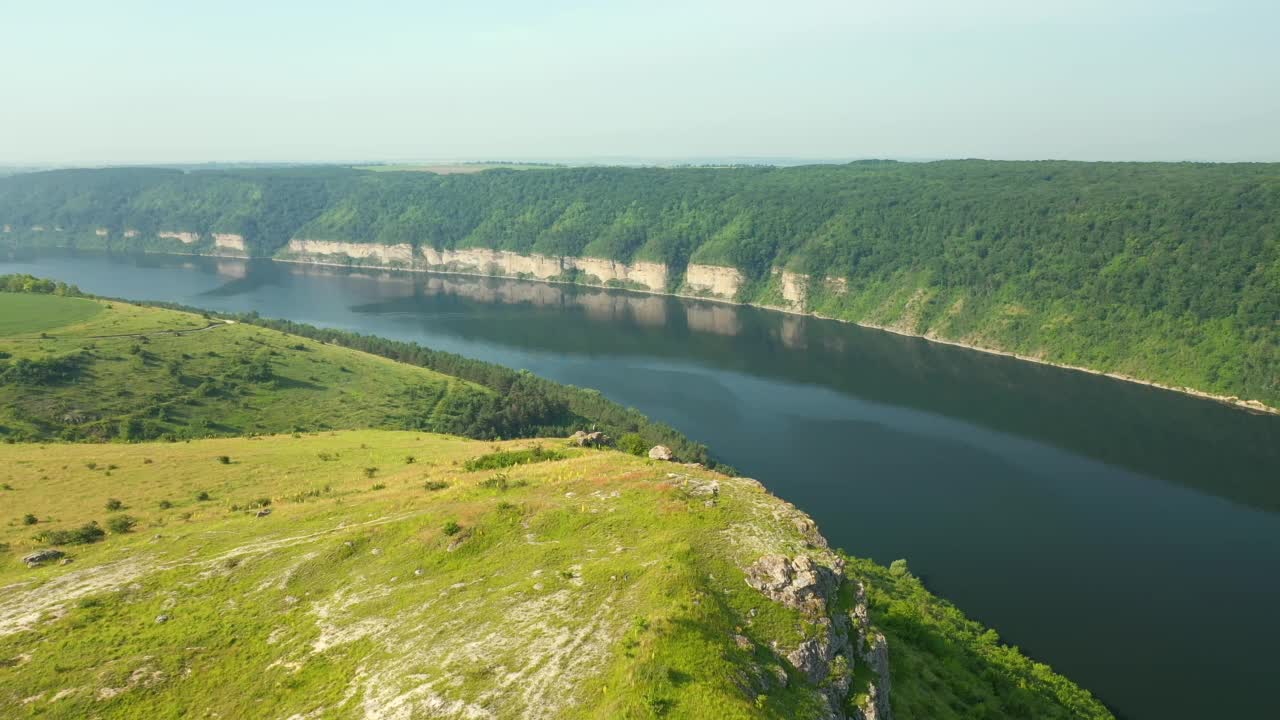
[451, 528]
[83, 535]
[202, 495]
[165, 504]
[370, 472]
[114, 504]
[509, 458]
[30, 519]
[121, 524]
[435, 485]
[899, 567]
[497, 481]
[379, 486]
[633, 443]
[409, 459]
[224, 459]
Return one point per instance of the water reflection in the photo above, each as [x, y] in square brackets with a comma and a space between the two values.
[1214, 448]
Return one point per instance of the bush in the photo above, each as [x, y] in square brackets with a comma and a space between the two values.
[899, 568]
[509, 458]
[121, 524]
[113, 504]
[451, 528]
[30, 519]
[379, 486]
[409, 459]
[500, 481]
[435, 485]
[224, 459]
[634, 444]
[83, 535]
[370, 472]
[165, 504]
[202, 495]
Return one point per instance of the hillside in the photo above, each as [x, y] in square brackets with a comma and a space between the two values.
[402, 574]
[81, 368]
[1163, 272]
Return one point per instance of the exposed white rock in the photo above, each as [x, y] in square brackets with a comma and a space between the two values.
[229, 241]
[387, 255]
[715, 280]
[187, 238]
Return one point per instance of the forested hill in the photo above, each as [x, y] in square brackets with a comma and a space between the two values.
[1167, 272]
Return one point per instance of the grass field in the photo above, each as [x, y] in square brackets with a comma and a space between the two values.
[146, 372]
[389, 582]
[22, 314]
[583, 589]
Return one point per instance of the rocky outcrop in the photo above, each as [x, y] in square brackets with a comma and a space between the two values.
[798, 583]
[40, 557]
[187, 238]
[229, 241]
[714, 280]
[385, 255]
[590, 439]
[828, 654]
[795, 289]
[653, 276]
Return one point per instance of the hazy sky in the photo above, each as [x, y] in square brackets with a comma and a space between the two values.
[180, 81]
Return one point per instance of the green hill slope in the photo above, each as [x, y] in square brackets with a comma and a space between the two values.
[394, 577]
[1161, 271]
[80, 368]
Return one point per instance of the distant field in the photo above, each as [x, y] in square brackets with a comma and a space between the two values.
[22, 314]
[454, 168]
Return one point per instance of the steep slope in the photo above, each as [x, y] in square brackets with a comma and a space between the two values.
[400, 574]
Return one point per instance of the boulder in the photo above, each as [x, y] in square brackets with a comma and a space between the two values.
[660, 452]
[40, 557]
[590, 439]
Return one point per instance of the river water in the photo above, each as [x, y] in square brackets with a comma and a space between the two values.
[1127, 536]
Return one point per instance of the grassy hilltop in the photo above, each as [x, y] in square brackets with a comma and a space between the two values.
[351, 569]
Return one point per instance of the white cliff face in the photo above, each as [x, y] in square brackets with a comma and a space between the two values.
[401, 255]
[484, 261]
[649, 274]
[716, 280]
[795, 289]
[187, 238]
[229, 241]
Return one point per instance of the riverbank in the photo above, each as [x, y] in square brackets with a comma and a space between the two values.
[1230, 400]
[1255, 406]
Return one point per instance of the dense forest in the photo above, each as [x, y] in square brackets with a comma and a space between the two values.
[1168, 272]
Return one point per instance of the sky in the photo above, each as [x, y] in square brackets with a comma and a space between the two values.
[149, 81]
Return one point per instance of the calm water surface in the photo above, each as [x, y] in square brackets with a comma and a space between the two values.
[1129, 537]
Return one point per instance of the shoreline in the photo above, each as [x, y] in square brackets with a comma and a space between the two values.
[1253, 406]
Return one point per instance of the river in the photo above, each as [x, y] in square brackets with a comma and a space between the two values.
[1125, 535]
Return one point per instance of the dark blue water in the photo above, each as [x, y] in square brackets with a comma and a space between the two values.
[1127, 536]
